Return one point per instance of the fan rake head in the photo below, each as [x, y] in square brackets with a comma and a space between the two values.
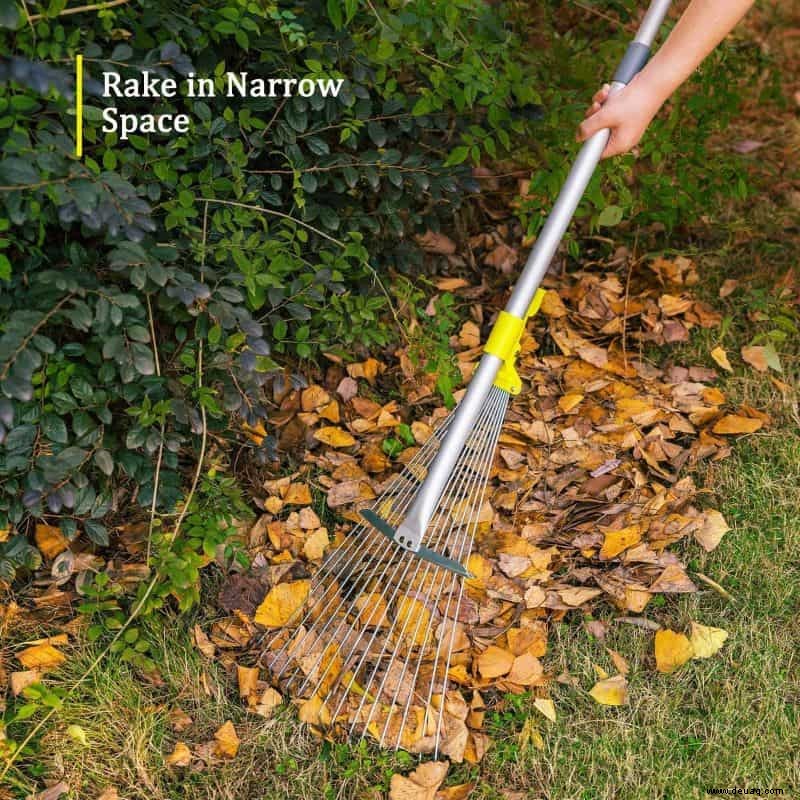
[372, 653]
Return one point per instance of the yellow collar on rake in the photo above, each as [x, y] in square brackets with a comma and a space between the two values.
[504, 341]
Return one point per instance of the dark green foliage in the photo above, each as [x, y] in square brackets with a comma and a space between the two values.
[163, 274]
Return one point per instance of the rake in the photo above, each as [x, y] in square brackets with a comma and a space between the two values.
[383, 619]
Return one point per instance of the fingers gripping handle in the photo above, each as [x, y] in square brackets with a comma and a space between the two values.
[574, 187]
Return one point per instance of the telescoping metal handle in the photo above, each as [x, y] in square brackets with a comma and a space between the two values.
[410, 532]
[552, 232]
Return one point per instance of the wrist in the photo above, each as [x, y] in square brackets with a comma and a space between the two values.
[658, 82]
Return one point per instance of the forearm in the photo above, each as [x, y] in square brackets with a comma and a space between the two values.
[703, 25]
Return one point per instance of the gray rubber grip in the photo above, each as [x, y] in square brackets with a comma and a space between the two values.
[636, 56]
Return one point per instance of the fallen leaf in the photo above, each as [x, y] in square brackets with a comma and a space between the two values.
[728, 287]
[334, 437]
[204, 644]
[437, 243]
[51, 792]
[78, 734]
[714, 528]
[269, 701]
[50, 540]
[227, 741]
[672, 649]
[41, 656]
[495, 661]
[721, 358]
[282, 603]
[247, 678]
[733, 424]
[617, 541]
[298, 494]
[706, 641]
[109, 793]
[181, 756]
[314, 546]
[21, 680]
[421, 784]
[546, 706]
[611, 691]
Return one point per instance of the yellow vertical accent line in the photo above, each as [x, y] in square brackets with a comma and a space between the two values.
[79, 105]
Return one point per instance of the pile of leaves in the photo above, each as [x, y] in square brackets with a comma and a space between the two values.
[587, 495]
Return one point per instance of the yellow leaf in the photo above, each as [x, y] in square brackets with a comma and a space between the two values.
[617, 541]
[297, 494]
[335, 437]
[623, 667]
[50, 540]
[421, 784]
[733, 423]
[77, 734]
[714, 528]
[204, 644]
[546, 706]
[706, 641]
[611, 691]
[412, 620]
[248, 680]
[494, 662]
[314, 546]
[41, 656]
[227, 741]
[181, 756]
[255, 433]
[721, 357]
[672, 650]
[269, 701]
[282, 604]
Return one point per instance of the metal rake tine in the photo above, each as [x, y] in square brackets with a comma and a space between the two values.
[440, 514]
[387, 637]
[474, 483]
[504, 404]
[354, 546]
[387, 549]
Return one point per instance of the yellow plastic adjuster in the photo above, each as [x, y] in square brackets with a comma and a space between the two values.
[504, 341]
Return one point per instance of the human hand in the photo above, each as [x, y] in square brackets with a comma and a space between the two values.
[627, 113]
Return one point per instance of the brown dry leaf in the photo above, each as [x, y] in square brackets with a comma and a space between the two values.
[421, 784]
[51, 792]
[204, 644]
[437, 243]
[50, 540]
[546, 706]
[21, 680]
[247, 678]
[181, 755]
[733, 423]
[578, 595]
[227, 741]
[334, 437]
[179, 720]
[714, 528]
[728, 287]
[706, 641]
[269, 701]
[756, 357]
[281, 604]
[526, 670]
[611, 691]
[721, 358]
[41, 656]
[623, 667]
[109, 793]
[672, 650]
[495, 661]
[460, 792]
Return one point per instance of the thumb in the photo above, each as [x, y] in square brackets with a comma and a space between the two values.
[596, 122]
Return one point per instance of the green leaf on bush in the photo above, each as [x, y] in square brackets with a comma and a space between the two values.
[610, 216]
